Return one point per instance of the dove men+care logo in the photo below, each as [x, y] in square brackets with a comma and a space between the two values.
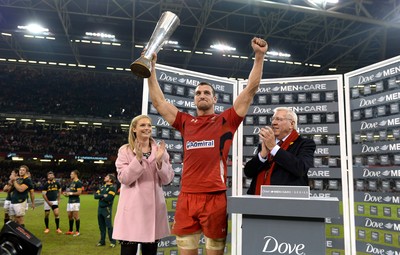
[375, 250]
[297, 109]
[374, 223]
[293, 88]
[368, 173]
[365, 102]
[362, 79]
[181, 103]
[365, 125]
[365, 148]
[186, 81]
[380, 198]
[274, 246]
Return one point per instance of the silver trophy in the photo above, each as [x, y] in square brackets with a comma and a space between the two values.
[164, 29]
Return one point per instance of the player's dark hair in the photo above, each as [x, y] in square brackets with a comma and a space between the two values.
[207, 84]
[112, 177]
[76, 172]
[25, 166]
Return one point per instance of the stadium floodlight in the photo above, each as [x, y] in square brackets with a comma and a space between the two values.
[171, 42]
[222, 47]
[34, 29]
[278, 54]
[100, 35]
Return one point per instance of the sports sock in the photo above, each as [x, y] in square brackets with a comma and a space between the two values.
[57, 220]
[78, 224]
[46, 222]
[71, 225]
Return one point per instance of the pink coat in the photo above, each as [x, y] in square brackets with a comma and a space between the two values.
[141, 213]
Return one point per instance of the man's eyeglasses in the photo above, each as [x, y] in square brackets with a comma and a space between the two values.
[279, 119]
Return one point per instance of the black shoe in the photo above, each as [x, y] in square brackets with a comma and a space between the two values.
[100, 244]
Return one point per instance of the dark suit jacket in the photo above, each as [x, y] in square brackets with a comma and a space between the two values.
[291, 166]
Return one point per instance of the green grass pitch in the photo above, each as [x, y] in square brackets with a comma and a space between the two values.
[60, 244]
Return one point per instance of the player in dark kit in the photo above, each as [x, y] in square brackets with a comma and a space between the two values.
[22, 186]
[74, 203]
[51, 195]
[105, 194]
[9, 188]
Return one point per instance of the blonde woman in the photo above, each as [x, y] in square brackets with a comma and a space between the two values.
[143, 167]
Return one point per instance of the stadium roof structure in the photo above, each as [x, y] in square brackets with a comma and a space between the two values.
[344, 36]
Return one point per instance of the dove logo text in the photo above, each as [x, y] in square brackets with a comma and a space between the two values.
[369, 173]
[372, 250]
[373, 224]
[366, 125]
[367, 102]
[363, 79]
[366, 148]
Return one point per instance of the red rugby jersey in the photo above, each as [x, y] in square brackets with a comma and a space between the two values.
[206, 144]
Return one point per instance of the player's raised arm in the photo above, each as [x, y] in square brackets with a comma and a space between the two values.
[243, 101]
[166, 109]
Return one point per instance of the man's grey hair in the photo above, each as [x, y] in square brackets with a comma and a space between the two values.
[290, 114]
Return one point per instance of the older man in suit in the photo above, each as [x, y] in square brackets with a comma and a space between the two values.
[283, 156]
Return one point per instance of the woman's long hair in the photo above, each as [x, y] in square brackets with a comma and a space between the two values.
[132, 135]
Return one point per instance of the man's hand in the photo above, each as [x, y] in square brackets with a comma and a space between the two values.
[267, 137]
[153, 61]
[259, 45]
[13, 178]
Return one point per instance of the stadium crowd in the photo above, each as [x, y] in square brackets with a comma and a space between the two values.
[61, 93]
[66, 92]
[56, 139]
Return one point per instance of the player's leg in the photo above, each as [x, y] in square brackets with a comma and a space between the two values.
[46, 220]
[77, 222]
[108, 225]
[56, 213]
[215, 246]
[11, 212]
[46, 208]
[70, 219]
[102, 226]
[186, 225]
[188, 244]
[7, 204]
[20, 210]
[214, 222]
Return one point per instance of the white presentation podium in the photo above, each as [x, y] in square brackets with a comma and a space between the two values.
[283, 225]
